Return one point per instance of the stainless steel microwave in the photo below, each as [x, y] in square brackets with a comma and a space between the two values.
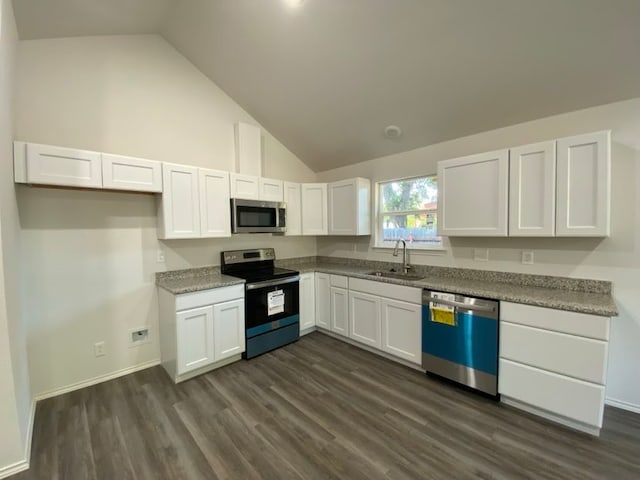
[257, 216]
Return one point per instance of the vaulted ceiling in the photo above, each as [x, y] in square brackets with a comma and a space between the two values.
[327, 76]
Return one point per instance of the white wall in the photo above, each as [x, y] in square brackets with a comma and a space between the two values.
[90, 257]
[15, 394]
[616, 258]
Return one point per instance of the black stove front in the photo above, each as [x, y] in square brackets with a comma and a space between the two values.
[271, 303]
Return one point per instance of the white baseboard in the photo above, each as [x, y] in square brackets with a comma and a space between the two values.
[13, 469]
[96, 380]
[631, 407]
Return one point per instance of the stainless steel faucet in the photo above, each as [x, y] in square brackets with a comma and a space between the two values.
[405, 265]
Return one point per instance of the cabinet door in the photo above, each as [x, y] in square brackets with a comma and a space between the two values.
[194, 338]
[472, 195]
[215, 216]
[402, 329]
[271, 190]
[244, 186]
[180, 203]
[314, 209]
[364, 322]
[340, 311]
[133, 174]
[293, 199]
[307, 301]
[584, 185]
[532, 190]
[349, 207]
[342, 207]
[323, 300]
[228, 329]
[49, 165]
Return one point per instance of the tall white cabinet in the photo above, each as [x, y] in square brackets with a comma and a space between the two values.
[293, 200]
[314, 209]
[194, 203]
[473, 195]
[584, 185]
[349, 207]
[532, 183]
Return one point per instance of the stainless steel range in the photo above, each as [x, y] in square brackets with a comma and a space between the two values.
[271, 305]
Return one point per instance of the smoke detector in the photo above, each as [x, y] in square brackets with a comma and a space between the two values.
[392, 131]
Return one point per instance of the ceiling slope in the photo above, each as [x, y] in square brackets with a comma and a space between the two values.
[327, 76]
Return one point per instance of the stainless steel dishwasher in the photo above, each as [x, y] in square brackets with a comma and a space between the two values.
[460, 339]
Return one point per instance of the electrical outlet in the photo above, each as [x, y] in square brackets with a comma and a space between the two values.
[527, 257]
[160, 256]
[99, 349]
[481, 254]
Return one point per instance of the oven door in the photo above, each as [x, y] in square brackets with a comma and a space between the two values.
[269, 302]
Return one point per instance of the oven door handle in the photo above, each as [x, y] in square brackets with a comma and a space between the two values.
[272, 283]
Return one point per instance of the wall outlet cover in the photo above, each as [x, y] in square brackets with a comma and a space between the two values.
[527, 257]
[99, 349]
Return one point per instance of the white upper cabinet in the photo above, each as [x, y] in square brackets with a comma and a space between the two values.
[349, 207]
[584, 185]
[271, 190]
[532, 185]
[472, 195]
[314, 209]
[179, 207]
[245, 186]
[248, 150]
[49, 165]
[215, 211]
[129, 173]
[293, 199]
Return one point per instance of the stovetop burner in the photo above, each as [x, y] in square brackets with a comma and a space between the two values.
[253, 265]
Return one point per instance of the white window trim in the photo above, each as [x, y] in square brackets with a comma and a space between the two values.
[378, 244]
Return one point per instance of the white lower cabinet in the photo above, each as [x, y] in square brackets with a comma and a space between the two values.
[339, 311]
[365, 325]
[201, 330]
[554, 363]
[195, 338]
[323, 300]
[228, 329]
[307, 302]
[402, 329]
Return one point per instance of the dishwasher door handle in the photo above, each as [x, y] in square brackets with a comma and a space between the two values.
[479, 307]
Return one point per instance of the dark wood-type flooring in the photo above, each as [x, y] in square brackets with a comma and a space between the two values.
[316, 409]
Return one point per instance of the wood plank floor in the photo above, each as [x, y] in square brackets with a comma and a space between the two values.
[316, 409]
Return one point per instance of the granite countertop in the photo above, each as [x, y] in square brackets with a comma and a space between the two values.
[194, 279]
[576, 295]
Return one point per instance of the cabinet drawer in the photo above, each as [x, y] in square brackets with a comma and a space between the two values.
[339, 281]
[578, 357]
[389, 290]
[571, 398]
[582, 324]
[209, 297]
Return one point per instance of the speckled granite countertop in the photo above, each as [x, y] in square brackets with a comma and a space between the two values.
[194, 279]
[572, 294]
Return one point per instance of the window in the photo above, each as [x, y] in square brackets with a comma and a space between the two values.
[407, 210]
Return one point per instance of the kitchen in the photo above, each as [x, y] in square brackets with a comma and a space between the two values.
[90, 258]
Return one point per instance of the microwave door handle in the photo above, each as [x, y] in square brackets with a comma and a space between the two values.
[272, 283]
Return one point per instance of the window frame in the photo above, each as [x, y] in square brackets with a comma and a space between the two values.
[379, 214]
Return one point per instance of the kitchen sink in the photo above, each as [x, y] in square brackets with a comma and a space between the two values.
[396, 275]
